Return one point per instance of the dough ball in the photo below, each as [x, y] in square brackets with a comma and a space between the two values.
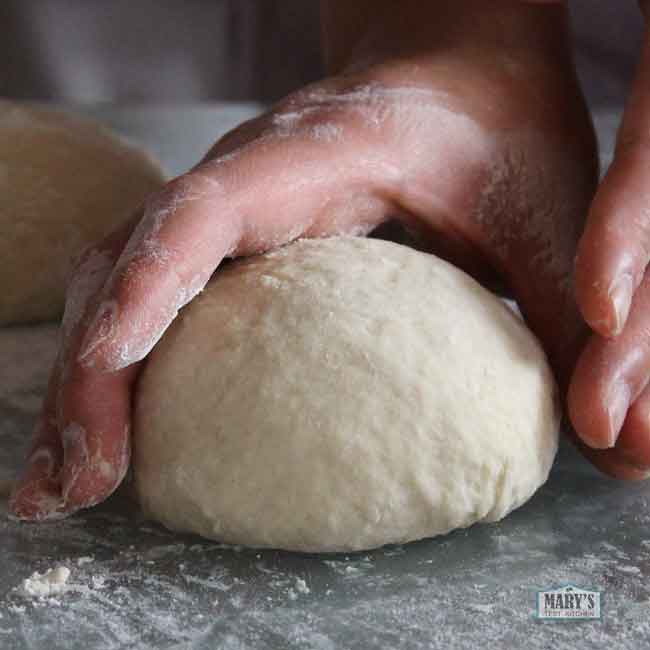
[338, 395]
[65, 182]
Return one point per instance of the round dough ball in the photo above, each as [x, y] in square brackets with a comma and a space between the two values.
[65, 182]
[342, 394]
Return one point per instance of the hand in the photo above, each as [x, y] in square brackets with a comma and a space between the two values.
[609, 399]
[470, 130]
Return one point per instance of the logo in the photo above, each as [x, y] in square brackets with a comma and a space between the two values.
[568, 602]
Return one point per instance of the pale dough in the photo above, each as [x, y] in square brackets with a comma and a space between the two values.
[342, 394]
[65, 182]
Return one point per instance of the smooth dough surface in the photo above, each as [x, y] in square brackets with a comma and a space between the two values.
[338, 395]
[65, 182]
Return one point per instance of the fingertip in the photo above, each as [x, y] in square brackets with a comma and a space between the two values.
[36, 495]
[596, 410]
[611, 257]
[633, 445]
[36, 500]
[131, 320]
[604, 304]
[86, 486]
[121, 353]
[606, 312]
[611, 463]
[89, 477]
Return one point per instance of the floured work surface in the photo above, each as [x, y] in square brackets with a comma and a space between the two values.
[132, 583]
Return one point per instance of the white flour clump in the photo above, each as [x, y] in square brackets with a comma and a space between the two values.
[301, 586]
[50, 583]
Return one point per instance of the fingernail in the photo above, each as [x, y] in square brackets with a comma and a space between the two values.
[621, 296]
[617, 406]
[40, 462]
[101, 328]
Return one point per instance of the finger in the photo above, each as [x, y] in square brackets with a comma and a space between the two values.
[611, 463]
[260, 196]
[610, 375]
[615, 247]
[36, 494]
[95, 415]
[93, 409]
[633, 444]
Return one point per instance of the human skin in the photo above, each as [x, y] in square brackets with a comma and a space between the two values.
[609, 397]
[609, 394]
[462, 119]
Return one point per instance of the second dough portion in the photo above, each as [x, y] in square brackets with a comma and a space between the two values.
[339, 395]
[65, 182]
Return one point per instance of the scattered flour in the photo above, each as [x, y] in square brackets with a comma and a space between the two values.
[301, 586]
[628, 569]
[53, 581]
[42, 588]
[481, 608]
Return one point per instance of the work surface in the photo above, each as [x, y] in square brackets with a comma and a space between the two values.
[135, 585]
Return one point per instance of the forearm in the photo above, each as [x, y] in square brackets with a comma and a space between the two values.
[352, 29]
[369, 29]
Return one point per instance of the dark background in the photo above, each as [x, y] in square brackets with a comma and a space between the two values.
[192, 50]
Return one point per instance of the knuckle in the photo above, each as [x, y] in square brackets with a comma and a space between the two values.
[318, 123]
[319, 112]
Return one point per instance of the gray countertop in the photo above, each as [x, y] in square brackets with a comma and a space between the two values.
[135, 585]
